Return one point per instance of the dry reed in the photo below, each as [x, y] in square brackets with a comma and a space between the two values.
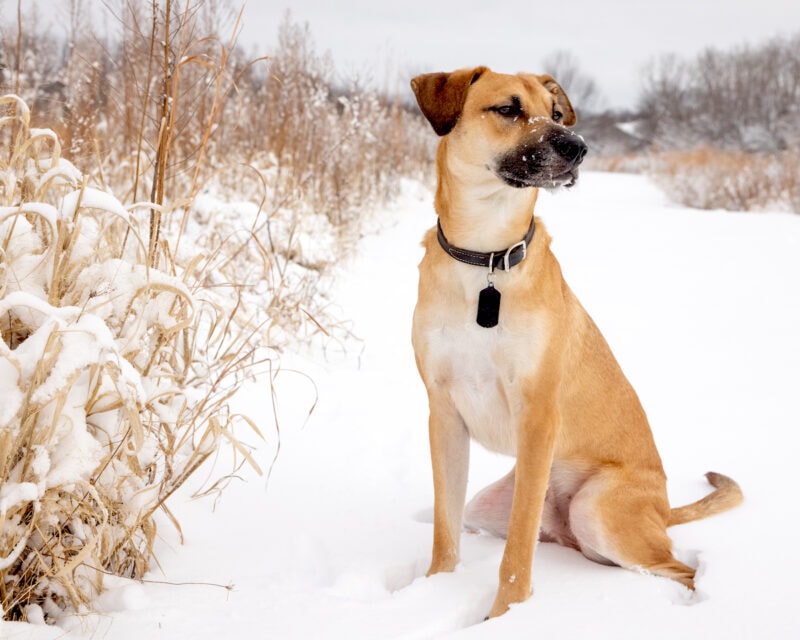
[115, 378]
[709, 178]
[126, 330]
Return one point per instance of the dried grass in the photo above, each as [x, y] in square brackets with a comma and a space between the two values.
[115, 378]
[281, 128]
[618, 163]
[126, 330]
[709, 178]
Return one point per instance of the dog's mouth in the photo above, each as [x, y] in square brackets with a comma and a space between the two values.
[567, 179]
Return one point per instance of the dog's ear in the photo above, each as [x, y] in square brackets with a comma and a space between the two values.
[562, 101]
[441, 96]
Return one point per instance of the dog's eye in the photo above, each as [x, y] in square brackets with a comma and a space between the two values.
[557, 115]
[512, 110]
[507, 110]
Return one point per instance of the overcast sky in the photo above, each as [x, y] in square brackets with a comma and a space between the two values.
[387, 42]
[611, 40]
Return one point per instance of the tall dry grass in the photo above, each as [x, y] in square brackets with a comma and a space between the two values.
[127, 328]
[316, 156]
[709, 178]
[115, 378]
[282, 128]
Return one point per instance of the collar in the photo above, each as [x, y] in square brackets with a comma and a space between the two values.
[503, 259]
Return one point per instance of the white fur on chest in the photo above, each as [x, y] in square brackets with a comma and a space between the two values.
[483, 371]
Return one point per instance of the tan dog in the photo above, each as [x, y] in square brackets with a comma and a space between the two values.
[531, 377]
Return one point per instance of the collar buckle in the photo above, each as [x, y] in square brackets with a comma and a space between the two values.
[507, 257]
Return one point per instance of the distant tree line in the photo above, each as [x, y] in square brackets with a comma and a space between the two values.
[745, 99]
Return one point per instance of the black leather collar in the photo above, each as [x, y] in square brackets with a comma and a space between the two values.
[503, 259]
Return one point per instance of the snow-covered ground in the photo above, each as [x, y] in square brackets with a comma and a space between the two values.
[702, 309]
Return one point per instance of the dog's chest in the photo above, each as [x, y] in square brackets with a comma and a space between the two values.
[483, 372]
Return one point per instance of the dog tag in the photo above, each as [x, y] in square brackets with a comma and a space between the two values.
[489, 307]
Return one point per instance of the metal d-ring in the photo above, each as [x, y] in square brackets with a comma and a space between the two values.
[490, 275]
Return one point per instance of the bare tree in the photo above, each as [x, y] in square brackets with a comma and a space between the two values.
[581, 89]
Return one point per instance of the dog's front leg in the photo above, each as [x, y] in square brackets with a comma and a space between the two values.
[449, 441]
[535, 442]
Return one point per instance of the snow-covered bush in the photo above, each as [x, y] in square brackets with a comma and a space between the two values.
[708, 178]
[127, 328]
[114, 377]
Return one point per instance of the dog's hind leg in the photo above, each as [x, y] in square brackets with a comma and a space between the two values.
[615, 524]
[490, 509]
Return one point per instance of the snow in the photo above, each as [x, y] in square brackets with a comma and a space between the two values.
[702, 311]
[13, 493]
[92, 199]
[45, 211]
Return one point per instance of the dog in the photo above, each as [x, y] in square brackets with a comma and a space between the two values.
[510, 358]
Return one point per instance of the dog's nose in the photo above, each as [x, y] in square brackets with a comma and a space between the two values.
[570, 147]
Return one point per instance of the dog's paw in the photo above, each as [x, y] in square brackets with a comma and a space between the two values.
[689, 597]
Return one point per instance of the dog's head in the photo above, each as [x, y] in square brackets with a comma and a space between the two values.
[514, 126]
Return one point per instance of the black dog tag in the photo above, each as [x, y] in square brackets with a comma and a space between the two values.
[489, 307]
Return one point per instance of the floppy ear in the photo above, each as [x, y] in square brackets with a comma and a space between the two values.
[441, 96]
[562, 101]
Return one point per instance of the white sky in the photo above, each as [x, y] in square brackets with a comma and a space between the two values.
[385, 43]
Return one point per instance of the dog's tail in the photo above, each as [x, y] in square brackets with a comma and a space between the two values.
[726, 495]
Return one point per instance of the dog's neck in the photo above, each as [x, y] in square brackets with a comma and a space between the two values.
[476, 210]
